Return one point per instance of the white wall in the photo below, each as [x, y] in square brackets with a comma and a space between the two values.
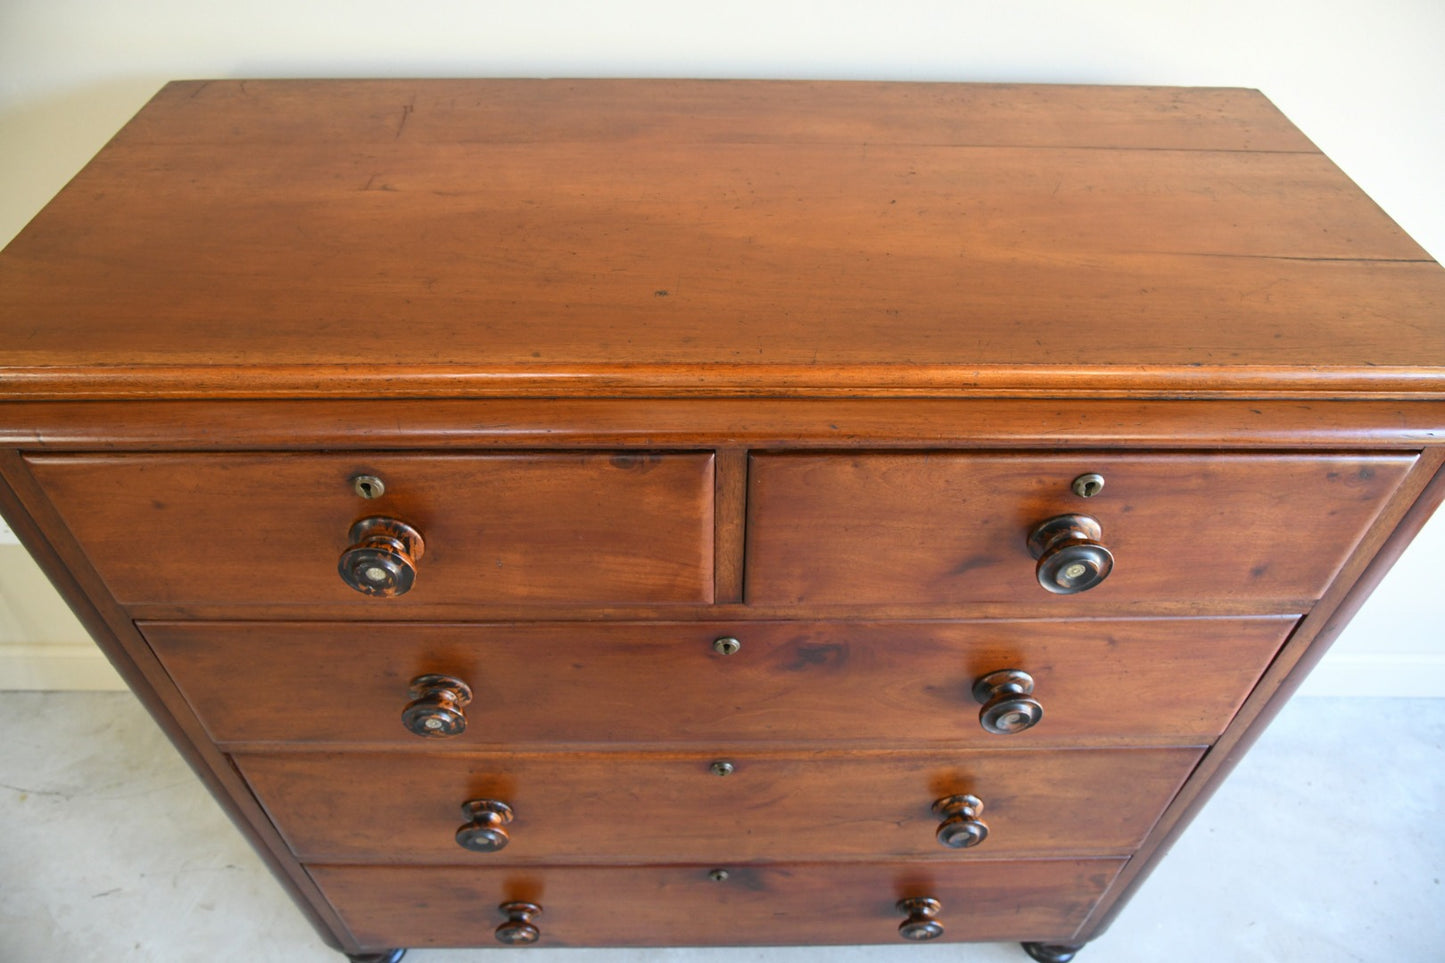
[1365, 79]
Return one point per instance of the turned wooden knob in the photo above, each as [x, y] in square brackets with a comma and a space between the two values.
[436, 706]
[922, 923]
[483, 832]
[1008, 706]
[382, 558]
[1071, 557]
[961, 828]
[518, 930]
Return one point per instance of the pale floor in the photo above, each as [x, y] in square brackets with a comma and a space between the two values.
[1327, 844]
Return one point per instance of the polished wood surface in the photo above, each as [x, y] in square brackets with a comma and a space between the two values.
[1402, 521]
[701, 111]
[1120, 682]
[395, 238]
[253, 529]
[713, 420]
[42, 534]
[868, 527]
[763, 423]
[671, 807]
[790, 904]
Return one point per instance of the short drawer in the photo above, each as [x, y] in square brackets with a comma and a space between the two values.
[822, 904]
[678, 807]
[1169, 681]
[945, 528]
[509, 528]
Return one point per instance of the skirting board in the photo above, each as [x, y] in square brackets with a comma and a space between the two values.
[81, 667]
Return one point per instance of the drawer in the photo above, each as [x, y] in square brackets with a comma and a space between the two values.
[513, 528]
[434, 906]
[1173, 681]
[674, 807]
[947, 528]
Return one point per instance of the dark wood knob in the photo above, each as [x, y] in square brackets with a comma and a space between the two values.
[922, 923]
[436, 707]
[382, 558]
[1071, 557]
[1008, 706]
[519, 930]
[961, 828]
[483, 832]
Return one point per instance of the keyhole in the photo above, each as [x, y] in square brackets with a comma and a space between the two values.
[726, 645]
[1087, 486]
[368, 486]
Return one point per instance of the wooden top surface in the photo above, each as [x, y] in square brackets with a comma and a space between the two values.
[476, 238]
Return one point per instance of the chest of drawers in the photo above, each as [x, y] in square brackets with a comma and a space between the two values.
[622, 513]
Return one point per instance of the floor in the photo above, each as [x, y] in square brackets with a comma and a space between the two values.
[1327, 844]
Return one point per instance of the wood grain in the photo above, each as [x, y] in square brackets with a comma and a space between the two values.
[730, 517]
[1408, 512]
[395, 240]
[867, 527]
[897, 684]
[34, 522]
[669, 808]
[897, 423]
[443, 111]
[655, 362]
[252, 529]
[812, 904]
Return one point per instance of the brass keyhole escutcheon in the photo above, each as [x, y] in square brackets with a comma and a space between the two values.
[727, 645]
[368, 486]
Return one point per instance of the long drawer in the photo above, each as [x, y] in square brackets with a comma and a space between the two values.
[434, 906]
[910, 684]
[244, 529]
[678, 807]
[944, 528]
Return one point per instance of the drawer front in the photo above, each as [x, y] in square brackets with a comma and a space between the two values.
[664, 808]
[515, 528]
[824, 904]
[947, 528]
[905, 684]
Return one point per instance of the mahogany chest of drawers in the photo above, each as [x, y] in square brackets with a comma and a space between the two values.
[621, 513]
